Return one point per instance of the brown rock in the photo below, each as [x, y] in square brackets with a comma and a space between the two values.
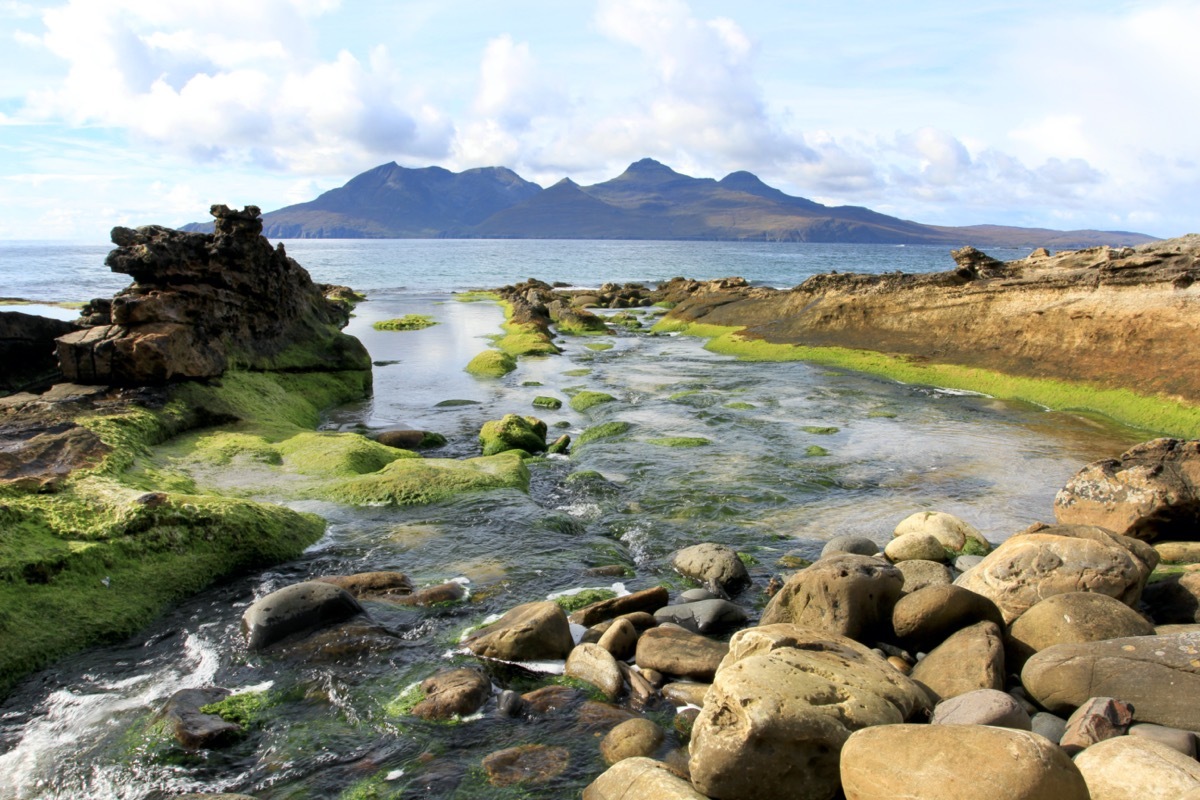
[1151, 492]
[194, 729]
[620, 639]
[918, 574]
[1030, 567]
[677, 652]
[631, 739]
[845, 594]
[449, 592]
[971, 659]
[594, 664]
[982, 707]
[1098, 719]
[1178, 552]
[927, 616]
[953, 533]
[372, 585]
[456, 693]
[1073, 617]
[716, 566]
[527, 764]
[648, 600]
[528, 632]
[686, 693]
[1128, 767]
[915, 547]
[549, 699]
[951, 762]
[640, 779]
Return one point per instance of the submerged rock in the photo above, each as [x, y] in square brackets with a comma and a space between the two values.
[453, 693]
[528, 632]
[195, 729]
[293, 609]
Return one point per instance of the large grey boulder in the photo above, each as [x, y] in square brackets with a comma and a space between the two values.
[1030, 567]
[528, 632]
[299, 608]
[783, 702]
[844, 594]
[952, 762]
[716, 566]
[1158, 675]
[703, 616]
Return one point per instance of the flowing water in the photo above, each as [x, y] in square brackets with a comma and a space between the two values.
[795, 454]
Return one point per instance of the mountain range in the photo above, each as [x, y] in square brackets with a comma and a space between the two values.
[649, 200]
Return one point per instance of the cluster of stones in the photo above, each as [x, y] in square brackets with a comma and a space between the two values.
[1042, 668]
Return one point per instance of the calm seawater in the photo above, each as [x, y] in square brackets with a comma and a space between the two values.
[51, 271]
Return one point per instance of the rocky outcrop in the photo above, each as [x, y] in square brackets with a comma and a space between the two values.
[204, 303]
[27, 350]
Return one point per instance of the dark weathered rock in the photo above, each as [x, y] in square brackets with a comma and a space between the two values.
[27, 350]
[1175, 600]
[372, 585]
[527, 764]
[528, 632]
[1098, 719]
[201, 303]
[704, 616]
[194, 729]
[846, 594]
[405, 439]
[454, 693]
[296, 609]
[1151, 492]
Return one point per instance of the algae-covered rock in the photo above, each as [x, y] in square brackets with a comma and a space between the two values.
[552, 403]
[416, 481]
[491, 364]
[513, 432]
[409, 322]
[589, 399]
[605, 430]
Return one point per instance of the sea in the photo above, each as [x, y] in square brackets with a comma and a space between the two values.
[782, 457]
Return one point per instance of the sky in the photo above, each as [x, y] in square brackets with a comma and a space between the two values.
[1042, 113]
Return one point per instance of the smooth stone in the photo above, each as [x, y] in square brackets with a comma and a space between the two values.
[964, 563]
[971, 659]
[982, 707]
[845, 594]
[846, 543]
[631, 739]
[1174, 738]
[594, 716]
[509, 703]
[681, 653]
[594, 664]
[549, 699]
[1073, 617]
[454, 693]
[1029, 567]
[620, 639]
[640, 779]
[952, 762]
[683, 693]
[648, 600]
[927, 616]
[1158, 675]
[919, 573]
[640, 620]
[299, 608]
[704, 616]
[641, 692]
[1178, 552]
[952, 532]
[717, 566]
[915, 547]
[696, 595]
[1048, 725]
[1175, 599]
[526, 765]
[1098, 719]
[528, 632]
[372, 585]
[1132, 767]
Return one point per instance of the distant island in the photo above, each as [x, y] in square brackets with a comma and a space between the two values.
[649, 200]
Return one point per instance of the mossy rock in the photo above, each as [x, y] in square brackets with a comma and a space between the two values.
[455, 403]
[599, 347]
[740, 406]
[680, 441]
[513, 432]
[820, 430]
[589, 399]
[552, 403]
[416, 481]
[526, 341]
[491, 364]
[605, 430]
[409, 322]
[577, 373]
[815, 451]
[578, 600]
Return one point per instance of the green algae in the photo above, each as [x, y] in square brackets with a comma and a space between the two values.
[373, 788]
[526, 340]
[245, 709]
[820, 430]
[1151, 413]
[476, 296]
[680, 441]
[455, 403]
[739, 406]
[578, 600]
[513, 432]
[409, 322]
[605, 430]
[491, 364]
[403, 704]
[552, 403]
[416, 481]
[815, 451]
[336, 454]
[577, 373]
[586, 399]
[599, 347]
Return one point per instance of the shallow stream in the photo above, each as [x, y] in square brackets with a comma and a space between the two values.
[787, 456]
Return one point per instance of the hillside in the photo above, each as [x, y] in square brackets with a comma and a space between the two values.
[649, 200]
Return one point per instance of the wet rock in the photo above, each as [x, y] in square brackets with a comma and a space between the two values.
[680, 653]
[509, 703]
[1179, 740]
[620, 639]
[194, 729]
[640, 779]
[941, 762]
[372, 585]
[782, 704]
[299, 608]
[927, 616]
[982, 707]
[971, 659]
[717, 566]
[631, 739]
[200, 302]
[649, 600]
[1098, 719]
[550, 699]
[684, 723]
[594, 664]
[913, 546]
[704, 616]
[696, 595]
[449, 592]
[846, 594]
[1151, 492]
[1073, 617]
[682, 693]
[1131, 767]
[845, 543]
[560, 446]
[454, 693]
[953, 533]
[919, 573]
[640, 620]
[1175, 599]
[596, 716]
[355, 638]
[1030, 567]
[1158, 675]
[641, 692]
[528, 632]
[526, 765]
[410, 439]
[513, 432]
[37, 456]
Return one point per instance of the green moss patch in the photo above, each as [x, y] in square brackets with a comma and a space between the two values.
[409, 322]
[584, 400]
[244, 709]
[815, 451]
[1151, 413]
[820, 430]
[577, 373]
[599, 346]
[578, 600]
[680, 441]
[415, 481]
[491, 364]
[552, 403]
[605, 430]
[739, 406]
